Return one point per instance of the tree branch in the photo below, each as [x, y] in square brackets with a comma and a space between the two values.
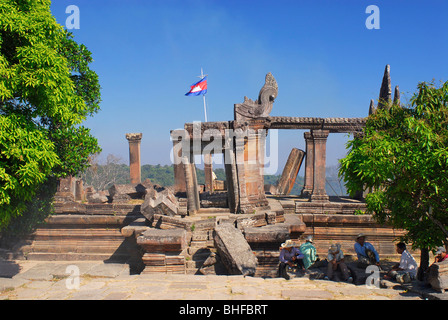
[436, 222]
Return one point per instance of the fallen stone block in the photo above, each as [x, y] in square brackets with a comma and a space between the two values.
[268, 237]
[270, 189]
[160, 203]
[135, 228]
[289, 175]
[438, 276]
[163, 263]
[213, 265]
[167, 222]
[251, 220]
[126, 192]
[158, 240]
[163, 250]
[122, 192]
[235, 252]
[295, 225]
[96, 197]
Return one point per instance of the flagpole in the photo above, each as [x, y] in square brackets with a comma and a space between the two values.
[203, 96]
[205, 108]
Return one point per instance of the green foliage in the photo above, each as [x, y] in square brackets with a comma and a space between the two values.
[34, 213]
[162, 175]
[46, 92]
[403, 158]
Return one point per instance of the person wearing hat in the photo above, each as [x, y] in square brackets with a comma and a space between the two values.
[309, 252]
[336, 262]
[289, 256]
[366, 252]
[440, 255]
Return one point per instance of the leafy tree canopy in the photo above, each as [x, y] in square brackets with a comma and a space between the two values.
[403, 159]
[46, 91]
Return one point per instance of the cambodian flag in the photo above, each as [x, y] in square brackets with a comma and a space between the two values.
[198, 88]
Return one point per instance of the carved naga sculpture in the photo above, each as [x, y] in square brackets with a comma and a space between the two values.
[262, 106]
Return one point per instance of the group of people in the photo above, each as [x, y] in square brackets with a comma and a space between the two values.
[305, 257]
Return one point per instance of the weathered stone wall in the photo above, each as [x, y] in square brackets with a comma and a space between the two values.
[343, 228]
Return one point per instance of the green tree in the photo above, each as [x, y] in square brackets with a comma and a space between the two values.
[403, 158]
[46, 91]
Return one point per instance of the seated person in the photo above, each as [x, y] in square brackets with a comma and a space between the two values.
[289, 256]
[406, 270]
[440, 255]
[366, 252]
[336, 262]
[309, 253]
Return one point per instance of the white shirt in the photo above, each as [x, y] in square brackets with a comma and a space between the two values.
[339, 256]
[408, 263]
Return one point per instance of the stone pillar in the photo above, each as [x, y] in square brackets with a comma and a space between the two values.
[79, 191]
[290, 171]
[66, 190]
[249, 153]
[180, 142]
[320, 149]
[191, 182]
[231, 175]
[309, 165]
[134, 156]
[208, 172]
[243, 205]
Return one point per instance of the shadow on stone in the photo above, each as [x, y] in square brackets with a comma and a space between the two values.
[8, 269]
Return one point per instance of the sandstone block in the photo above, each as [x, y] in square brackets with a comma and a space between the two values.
[96, 197]
[158, 240]
[235, 252]
[159, 203]
[438, 276]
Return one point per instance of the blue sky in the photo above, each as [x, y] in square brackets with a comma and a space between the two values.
[326, 62]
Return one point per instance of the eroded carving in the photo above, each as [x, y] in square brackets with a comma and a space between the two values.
[260, 108]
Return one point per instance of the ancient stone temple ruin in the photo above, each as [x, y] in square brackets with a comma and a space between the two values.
[222, 227]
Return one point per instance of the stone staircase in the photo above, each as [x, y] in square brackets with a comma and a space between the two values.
[80, 232]
[199, 249]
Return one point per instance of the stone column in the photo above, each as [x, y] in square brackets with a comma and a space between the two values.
[193, 201]
[66, 189]
[243, 204]
[231, 175]
[180, 142]
[309, 165]
[290, 171]
[79, 190]
[320, 149]
[208, 172]
[134, 156]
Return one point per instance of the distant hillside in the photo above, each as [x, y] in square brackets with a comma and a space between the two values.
[164, 175]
